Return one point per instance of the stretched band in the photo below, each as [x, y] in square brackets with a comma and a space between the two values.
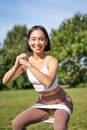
[53, 106]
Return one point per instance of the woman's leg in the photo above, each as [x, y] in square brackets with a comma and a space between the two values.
[29, 116]
[61, 120]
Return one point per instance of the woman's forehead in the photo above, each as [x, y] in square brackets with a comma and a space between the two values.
[37, 33]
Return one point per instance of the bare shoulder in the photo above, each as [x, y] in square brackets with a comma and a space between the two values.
[52, 61]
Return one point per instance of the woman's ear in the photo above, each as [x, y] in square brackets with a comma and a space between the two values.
[28, 42]
[46, 42]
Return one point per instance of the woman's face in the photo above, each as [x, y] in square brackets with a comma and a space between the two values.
[37, 41]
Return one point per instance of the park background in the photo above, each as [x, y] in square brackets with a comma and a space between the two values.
[66, 23]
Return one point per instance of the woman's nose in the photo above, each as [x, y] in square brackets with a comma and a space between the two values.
[37, 41]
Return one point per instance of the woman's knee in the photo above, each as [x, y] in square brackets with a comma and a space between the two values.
[59, 127]
[14, 124]
[17, 125]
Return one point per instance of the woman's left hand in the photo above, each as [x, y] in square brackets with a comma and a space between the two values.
[24, 62]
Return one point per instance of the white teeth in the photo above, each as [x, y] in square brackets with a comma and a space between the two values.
[37, 47]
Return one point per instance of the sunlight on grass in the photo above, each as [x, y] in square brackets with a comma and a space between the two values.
[14, 102]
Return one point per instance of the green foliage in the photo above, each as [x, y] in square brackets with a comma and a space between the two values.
[14, 44]
[69, 44]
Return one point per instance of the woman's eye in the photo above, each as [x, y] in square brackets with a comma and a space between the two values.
[42, 39]
[33, 39]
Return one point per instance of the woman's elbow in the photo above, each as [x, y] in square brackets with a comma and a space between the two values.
[3, 81]
[48, 84]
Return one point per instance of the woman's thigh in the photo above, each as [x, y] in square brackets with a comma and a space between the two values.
[61, 119]
[30, 116]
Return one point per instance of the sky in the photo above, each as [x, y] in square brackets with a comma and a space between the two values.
[48, 13]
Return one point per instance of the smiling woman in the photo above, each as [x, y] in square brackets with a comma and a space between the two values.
[42, 71]
[37, 41]
[41, 37]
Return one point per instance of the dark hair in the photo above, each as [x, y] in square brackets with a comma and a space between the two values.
[38, 27]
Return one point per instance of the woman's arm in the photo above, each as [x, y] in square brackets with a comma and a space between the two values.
[12, 74]
[15, 71]
[46, 79]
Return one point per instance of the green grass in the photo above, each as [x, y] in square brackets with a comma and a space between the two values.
[14, 102]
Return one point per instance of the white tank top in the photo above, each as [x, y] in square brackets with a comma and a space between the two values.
[39, 87]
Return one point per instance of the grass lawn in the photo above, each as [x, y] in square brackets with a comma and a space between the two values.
[14, 102]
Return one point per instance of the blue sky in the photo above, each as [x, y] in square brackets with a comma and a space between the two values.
[49, 13]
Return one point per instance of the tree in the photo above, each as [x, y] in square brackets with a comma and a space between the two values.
[69, 45]
[14, 44]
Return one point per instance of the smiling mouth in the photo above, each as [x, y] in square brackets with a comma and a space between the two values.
[37, 48]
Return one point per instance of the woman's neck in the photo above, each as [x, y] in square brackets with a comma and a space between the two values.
[39, 56]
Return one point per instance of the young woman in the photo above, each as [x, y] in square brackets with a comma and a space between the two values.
[42, 71]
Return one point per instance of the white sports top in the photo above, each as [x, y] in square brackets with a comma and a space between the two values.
[39, 87]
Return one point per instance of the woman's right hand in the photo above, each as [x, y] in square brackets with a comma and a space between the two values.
[21, 56]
